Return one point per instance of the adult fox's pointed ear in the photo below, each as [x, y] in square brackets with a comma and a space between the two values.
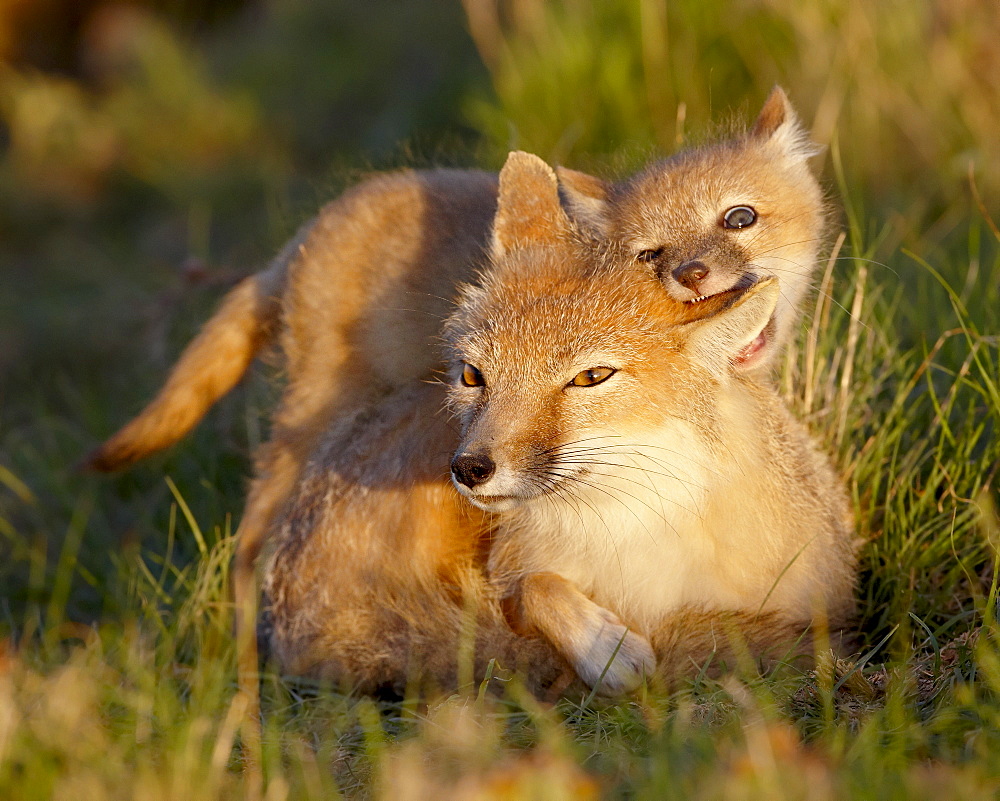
[586, 201]
[778, 125]
[717, 339]
[528, 207]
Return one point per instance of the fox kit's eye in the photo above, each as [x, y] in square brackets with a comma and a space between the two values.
[592, 376]
[649, 255]
[471, 377]
[739, 217]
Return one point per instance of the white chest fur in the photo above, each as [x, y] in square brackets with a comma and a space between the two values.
[627, 531]
[653, 528]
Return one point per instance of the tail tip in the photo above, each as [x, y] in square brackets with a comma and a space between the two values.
[101, 460]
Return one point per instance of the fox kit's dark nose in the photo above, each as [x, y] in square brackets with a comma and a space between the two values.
[472, 468]
[689, 274]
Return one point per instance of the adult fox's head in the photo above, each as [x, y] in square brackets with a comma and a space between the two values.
[566, 356]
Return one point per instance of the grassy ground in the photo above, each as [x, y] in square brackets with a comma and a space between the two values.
[117, 676]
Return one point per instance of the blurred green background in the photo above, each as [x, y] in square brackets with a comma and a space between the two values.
[152, 152]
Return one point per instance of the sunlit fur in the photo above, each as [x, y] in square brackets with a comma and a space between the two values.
[355, 300]
[374, 579]
[675, 210]
[679, 486]
[652, 517]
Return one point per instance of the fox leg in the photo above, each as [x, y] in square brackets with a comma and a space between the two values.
[280, 463]
[263, 501]
[602, 650]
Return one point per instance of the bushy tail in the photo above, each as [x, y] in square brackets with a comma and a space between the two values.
[209, 367]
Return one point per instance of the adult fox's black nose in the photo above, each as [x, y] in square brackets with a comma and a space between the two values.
[689, 274]
[472, 468]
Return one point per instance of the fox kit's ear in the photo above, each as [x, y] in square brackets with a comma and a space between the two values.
[586, 200]
[779, 125]
[528, 208]
[716, 340]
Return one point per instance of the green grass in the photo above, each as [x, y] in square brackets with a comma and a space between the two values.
[117, 673]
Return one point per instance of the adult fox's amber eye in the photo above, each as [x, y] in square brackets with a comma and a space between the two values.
[471, 377]
[739, 217]
[592, 376]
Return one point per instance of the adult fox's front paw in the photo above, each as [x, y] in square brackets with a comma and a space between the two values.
[608, 647]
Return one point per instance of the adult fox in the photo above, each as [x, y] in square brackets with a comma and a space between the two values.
[356, 298]
[639, 503]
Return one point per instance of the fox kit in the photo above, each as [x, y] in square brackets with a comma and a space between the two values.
[722, 217]
[637, 500]
[356, 298]
[652, 497]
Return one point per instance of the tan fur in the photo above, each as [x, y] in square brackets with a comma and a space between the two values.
[360, 291]
[656, 213]
[357, 297]
[676, 500]
[376, 557]
[352, 294]
[375, 580]
[603, 650]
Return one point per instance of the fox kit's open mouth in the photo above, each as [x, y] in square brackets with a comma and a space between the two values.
[747, 280]
[728, 296]
[746, 355]
[750, 353]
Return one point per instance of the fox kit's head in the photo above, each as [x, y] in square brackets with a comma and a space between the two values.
[565, 354]
[720, 217]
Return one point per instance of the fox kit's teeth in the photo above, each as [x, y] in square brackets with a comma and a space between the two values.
[698, 299]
